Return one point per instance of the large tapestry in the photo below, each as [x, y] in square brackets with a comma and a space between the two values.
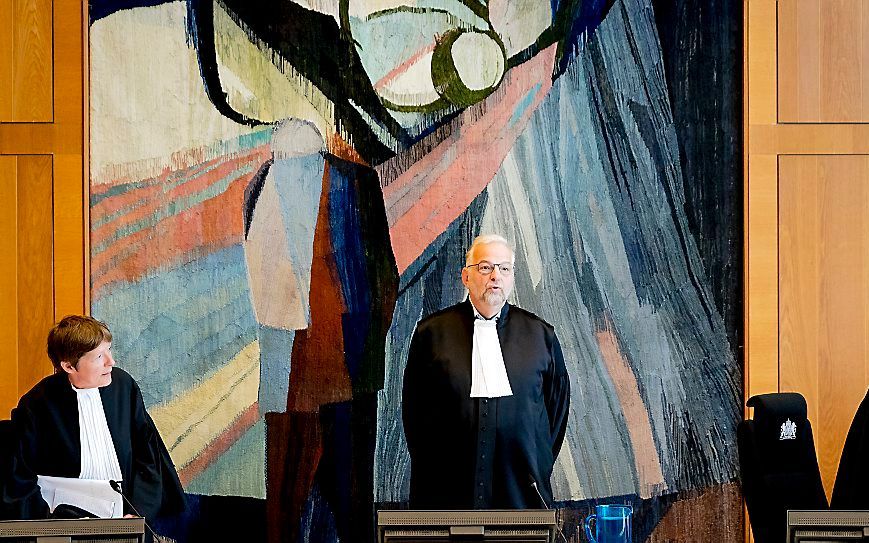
[281, 189]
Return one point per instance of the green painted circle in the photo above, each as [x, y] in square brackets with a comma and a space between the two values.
[445, 76]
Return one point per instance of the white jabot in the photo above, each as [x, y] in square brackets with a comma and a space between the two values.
[488, 373]
[99, 460]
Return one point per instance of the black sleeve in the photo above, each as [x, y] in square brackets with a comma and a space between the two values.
[154, 487]
[556, 394]
[22, 498]
[852, 478]
[412, 402]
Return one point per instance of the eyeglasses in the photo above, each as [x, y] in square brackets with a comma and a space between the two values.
[485, 268]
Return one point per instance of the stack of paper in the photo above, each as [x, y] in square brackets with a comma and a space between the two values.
[89, 494]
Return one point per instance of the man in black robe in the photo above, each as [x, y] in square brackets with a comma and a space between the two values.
[484, 420]
[47, 432]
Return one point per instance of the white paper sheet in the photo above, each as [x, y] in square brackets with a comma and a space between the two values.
[92, 495]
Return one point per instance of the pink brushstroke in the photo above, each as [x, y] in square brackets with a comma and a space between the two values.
[646, 459]
[423, 201]
[401, 68]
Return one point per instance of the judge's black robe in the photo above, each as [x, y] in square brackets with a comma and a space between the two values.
[479, 453]
[851, 490]
[48, 443]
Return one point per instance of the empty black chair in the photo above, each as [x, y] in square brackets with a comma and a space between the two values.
[851, 490]
[778, 464]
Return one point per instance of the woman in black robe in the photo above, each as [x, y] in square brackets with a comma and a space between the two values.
[47, 430]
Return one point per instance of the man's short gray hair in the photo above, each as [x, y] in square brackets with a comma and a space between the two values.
[485, 240]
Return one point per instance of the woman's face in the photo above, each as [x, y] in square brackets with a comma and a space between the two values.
[94, 368]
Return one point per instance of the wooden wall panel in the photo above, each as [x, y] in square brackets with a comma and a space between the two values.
[6, 54]
[35, 265]
[823, 66]
[43, 181]
[32, 61]
[823, 289]
[26, 285]
[798, 56]
[761, 292]
[8, 284]
[71, 278]
[807, 210]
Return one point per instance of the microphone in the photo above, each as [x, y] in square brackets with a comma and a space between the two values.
[116, 486]
[537, 490]
[557, 511]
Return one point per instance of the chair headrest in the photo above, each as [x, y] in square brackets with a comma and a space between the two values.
[777, 405]
[781, 428]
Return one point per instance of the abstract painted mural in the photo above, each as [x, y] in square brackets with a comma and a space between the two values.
[281, 189]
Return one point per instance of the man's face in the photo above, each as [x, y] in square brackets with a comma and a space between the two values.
[489, 292]
[94, 368]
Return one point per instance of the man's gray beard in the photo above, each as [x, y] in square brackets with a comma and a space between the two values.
[494, 298]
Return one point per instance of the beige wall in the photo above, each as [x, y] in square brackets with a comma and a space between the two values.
[807, 209]
[43, 165]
